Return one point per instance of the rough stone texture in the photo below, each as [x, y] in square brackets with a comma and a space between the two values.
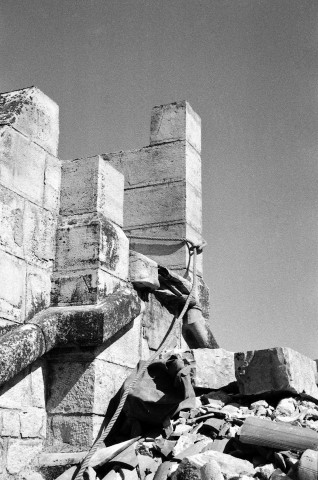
[72, 432]
[33, 114]
[214, 367]
[143, 272]
[12, 300]
[175, 121]
[29, 201]
[231, 467]
[21, 453]
[10, 423]
[163, 193]
[275, 369]
[92, 185]
[33, 423]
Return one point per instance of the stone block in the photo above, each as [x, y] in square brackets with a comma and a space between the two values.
[164, 163]
[278, 369]
[11, 220]
[22, 165]
[84, 287]
[173, 254]
[21, 453]
[16, 393]
[92, 185]
[214, 368]
[83, 242]
[156, 322]
[163, 204]
[175, 121]
[33, 423]
[13, 272]
[84, 387]
[33, 114]
[143, 272]
[73, 432]
[38, 382]
[9, 423]
[38, 290]
[124, 349]
[52, 183]
[39, 235]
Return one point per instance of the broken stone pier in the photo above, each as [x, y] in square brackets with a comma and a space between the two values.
[93, 270]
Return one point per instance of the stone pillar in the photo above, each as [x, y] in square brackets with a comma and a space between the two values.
[92, 250]
[29, 202]
[92, 255]
[163, 186]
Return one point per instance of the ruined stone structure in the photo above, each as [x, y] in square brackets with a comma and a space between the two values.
[72, 326]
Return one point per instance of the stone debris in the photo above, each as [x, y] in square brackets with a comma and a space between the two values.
[221, 435]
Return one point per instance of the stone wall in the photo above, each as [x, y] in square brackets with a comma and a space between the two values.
[64, 242]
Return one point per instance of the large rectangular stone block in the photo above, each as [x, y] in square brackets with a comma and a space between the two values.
[278, 369]
[73, 432]
[33, 114]
[52, 183]
[12, 300]
[92, 185]
[164, 203]
[22, 165]
[21, 453]
[175, 121]
[39, 227]
[83, 287]
[84, 386]
[11, 221]
[83, 242]
[214, 368]
[158, 164]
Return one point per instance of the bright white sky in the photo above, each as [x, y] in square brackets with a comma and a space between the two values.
[250, 69]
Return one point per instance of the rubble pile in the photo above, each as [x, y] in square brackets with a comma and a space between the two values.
[217, 435]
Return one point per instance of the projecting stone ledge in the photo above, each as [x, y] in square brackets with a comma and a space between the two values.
[277, 369]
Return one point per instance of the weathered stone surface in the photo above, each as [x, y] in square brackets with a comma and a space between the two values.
[84, 387]
[156, 322]
[71, 433]
[13, 272]
[33, 423]
[16, 393]
[164, 163]
[19, 349]
[85, 243]
[143, 272]
[9, 423]
[52, 183]
[11, 220]
[230, 466]
[38, 382]
[21, 453]
[38, 290]
[275, 369]
[92, 185]
[22, 165]
[163, 203]
[214, 367]
[33, 114]
[175, 121]
[86, 287]
[125, 348]
[39, 229]
[6, 326]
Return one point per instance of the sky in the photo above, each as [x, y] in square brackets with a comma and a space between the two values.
[249, 68]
